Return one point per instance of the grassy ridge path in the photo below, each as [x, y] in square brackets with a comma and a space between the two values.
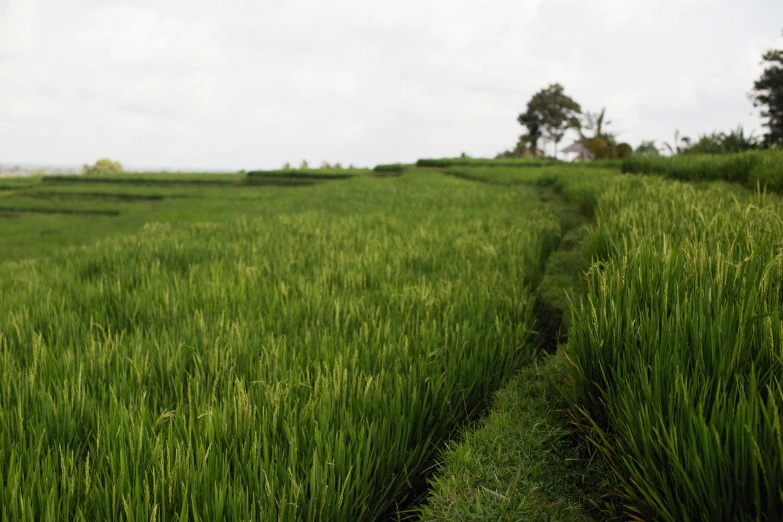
[521, 462]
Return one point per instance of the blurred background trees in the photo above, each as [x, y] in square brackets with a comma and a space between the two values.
[768, 95]
[103, 167]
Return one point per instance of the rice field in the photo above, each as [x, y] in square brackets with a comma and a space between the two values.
[754, 168]
[676, 350]
[300, 360]
[235, 349]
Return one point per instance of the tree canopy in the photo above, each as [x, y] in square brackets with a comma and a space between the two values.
[103, 167]
[768, 94]
[550, 112]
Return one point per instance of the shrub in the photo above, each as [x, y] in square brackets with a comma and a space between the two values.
[103, 167]
[624, 150]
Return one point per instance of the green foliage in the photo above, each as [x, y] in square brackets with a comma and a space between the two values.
[623, 150]
[764, 167]
[647, 148]
[517, 464]
[721, 143]
[602, 144]
[311, 174]
[599, 148]
[768, 94]
[482, 162]
[549, 113]
[151, 179]
[300, 358]
[391, 167]
[675, 351]
[103, 167]
[680, 145]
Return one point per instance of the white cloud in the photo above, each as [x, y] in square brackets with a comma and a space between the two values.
[241, 84]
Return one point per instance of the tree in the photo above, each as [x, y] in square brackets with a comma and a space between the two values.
[623, 150]
[601, 144]
[768, 94]
[594, 121]
[721, 142]
[647, 148]
[550, 112]
[680, 146]
[103, 167]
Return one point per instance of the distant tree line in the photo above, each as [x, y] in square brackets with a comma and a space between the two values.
[550, 113]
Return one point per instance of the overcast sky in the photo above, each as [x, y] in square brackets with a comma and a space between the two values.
[238, 84]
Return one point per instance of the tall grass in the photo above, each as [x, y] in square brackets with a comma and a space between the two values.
[484, 162]
[754, 167]
[299, 365]
[676, 351]
[157, 179]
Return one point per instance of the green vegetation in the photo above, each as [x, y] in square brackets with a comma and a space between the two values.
[103, 167]
[483, 162]
[675, 351]
[219, 349]
[518, 463]
[315, 174]
[550, 112]
[391, 168]
[750, 168]
[152, 179]
[301, 359]
[723, 142]
[768, 94]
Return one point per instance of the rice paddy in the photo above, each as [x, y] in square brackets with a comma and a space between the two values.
[301, 359]
[305, 345]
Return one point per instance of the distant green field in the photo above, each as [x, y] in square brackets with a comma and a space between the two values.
[486, 162]
[130, 199]
[753, 168]
[309, 174]
[151, 179]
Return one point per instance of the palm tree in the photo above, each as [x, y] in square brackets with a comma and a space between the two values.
[681, 144]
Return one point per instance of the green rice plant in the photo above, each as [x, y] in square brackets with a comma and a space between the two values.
[32, 205]
[157, 179]
[768, 171]
[675, 351]
[751, 168]
[302, 360]
[391, 168]
[484, 162]
[314, 174]
[576, 184]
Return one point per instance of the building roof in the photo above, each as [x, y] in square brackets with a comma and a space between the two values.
[577, 147]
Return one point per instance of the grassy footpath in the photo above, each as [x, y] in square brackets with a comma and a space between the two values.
[518, 463]
[673, 372]
[523, 461]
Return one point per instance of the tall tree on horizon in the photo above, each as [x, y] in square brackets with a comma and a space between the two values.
[768, 94]
[550, 112]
